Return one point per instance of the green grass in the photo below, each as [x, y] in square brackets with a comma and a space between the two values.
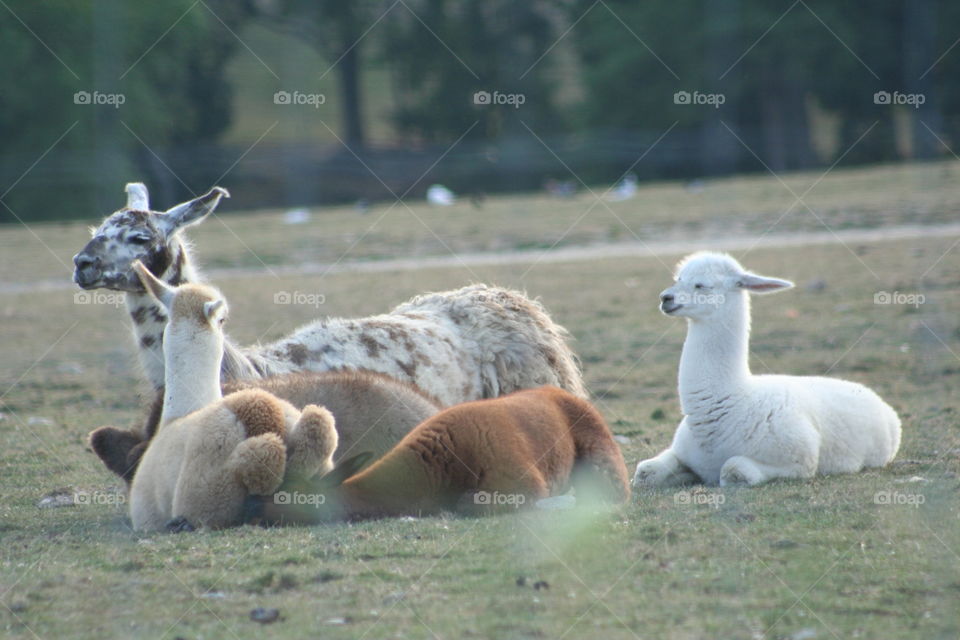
[663, 211]
[770, 562]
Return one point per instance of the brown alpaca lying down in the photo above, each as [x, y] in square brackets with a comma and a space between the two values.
[496, 454]
[372, 411]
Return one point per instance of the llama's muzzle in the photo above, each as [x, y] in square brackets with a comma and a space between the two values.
[86, 272]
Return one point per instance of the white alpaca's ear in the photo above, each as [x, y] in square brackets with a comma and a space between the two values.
[137, 197]
[157, 288]
[761, 284]
[211, 308]
[191, 211]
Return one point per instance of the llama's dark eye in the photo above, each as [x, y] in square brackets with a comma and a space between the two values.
[139, 239]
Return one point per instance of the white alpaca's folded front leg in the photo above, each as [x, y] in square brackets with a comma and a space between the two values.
[665, 470]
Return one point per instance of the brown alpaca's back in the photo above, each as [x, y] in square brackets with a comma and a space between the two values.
[487, 455]
[599, 461]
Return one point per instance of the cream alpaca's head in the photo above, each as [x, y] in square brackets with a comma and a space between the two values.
[709, 284]
[137, 233]
[196, 314]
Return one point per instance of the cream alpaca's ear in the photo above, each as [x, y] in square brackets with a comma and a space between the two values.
[159, 289]
[760, 284]
[211, 309]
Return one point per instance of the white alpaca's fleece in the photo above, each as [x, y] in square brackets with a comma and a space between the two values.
[741, 428]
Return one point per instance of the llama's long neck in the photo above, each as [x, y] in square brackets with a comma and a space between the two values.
[150, 318]
[192, 360]
[715, 361]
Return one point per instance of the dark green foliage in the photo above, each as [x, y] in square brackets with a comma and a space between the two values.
[171, 82]
[597, 82]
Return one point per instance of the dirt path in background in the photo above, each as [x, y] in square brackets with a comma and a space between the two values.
[638, 249]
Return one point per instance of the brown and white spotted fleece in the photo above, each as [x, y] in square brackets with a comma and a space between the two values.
[475, 342]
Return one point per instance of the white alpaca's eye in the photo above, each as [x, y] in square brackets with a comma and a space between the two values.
[699, 286]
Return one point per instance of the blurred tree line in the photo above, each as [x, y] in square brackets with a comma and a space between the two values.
[508, 94]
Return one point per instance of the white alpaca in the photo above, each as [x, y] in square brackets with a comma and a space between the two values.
[475, 342]
[741, 428]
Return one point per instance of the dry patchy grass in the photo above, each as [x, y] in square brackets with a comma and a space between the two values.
[769, 562]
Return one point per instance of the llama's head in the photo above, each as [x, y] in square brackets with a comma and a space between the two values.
[707, 283]
[137, 233]
[195, 313]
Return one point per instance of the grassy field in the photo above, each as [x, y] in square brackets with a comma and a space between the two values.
[851, 198]
[868, 556]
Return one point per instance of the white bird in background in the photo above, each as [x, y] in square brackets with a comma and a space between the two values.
[441, 196]
[625, 189]
[296, 216]
[560, 188]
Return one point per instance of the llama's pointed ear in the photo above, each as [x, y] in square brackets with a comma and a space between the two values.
[137, 196]
[345, 469]
[211, 308]
[191, 211]
[157, 288]
[761, 284]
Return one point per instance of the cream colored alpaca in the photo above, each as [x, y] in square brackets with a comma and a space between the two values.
[372, 412]
[211, 452]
